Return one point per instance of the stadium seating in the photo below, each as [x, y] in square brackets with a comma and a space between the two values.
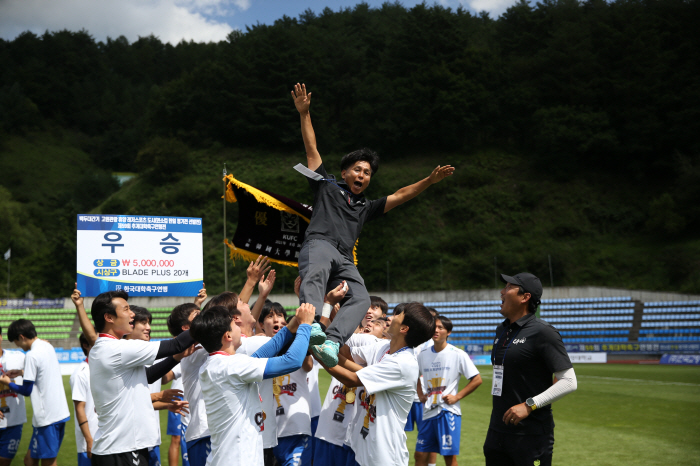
[51, 324]
[579, 320]
[670, 321]
[582, 320]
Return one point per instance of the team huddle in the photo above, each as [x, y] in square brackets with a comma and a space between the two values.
[247, 377]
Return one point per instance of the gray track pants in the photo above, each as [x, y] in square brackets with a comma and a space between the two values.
[321, 268]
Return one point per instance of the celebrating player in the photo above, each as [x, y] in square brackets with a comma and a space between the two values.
[13, 414]
[119, 379]
[390, 384]
[44, 384]
[340, 210]
[441, 368]
[234, 407]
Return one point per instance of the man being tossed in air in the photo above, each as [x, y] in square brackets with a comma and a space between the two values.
[340, 211]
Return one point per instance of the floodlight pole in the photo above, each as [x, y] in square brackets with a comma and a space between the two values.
[551, 274]
[9, 259]
[225, 263]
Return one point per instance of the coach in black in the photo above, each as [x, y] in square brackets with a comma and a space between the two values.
[527, 351]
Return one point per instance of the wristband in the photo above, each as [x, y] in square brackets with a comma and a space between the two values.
[327, 309]
[82, 423]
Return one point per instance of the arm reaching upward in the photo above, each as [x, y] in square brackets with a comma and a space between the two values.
[409, 192]
[85, 324]
[302, 101]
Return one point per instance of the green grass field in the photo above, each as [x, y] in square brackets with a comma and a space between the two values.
[620, 415]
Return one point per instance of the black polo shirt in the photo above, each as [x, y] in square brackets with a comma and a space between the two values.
[339, 215]
[533, 352]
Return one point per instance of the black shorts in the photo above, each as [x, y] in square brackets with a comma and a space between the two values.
[131, 458]
[518, 450]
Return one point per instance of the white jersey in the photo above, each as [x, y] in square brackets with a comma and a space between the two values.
[177, 385]
[418, 350]
[80, 390]
[155, 387]
[119, 388]
[11, 403]
[292, 410]
[48, 396]
[314, 395]
[248, 347]
[234, 408]
[441, 373]
[337, 412]
[197, 423]
[390, 384]
[362, 339]
[356, 340]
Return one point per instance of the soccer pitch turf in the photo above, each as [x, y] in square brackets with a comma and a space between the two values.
[621, 414]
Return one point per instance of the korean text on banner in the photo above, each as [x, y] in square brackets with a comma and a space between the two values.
[142, 255]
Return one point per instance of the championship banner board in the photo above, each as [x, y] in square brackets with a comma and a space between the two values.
[142, 255]
[268, 224]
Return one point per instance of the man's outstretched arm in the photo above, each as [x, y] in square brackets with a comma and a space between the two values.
[302, 101]
[409, 192]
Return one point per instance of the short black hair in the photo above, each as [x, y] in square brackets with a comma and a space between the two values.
[432, 310]
[209, 327]
[228, 299]
[103, 305]
[272, 308]
[532, 303]
[361, 155]
[420, 322]
[22, 327]
[376, 301]
[180, 316]
[83, 343]
[141, 314]
[446, 322]
[401, 306]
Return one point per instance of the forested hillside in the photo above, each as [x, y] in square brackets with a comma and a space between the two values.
[573, 127]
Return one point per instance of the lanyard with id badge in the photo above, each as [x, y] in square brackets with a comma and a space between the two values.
[498, 370]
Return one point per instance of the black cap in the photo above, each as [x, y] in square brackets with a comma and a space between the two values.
[528, 281]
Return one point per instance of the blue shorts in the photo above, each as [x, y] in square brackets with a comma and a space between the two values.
[154, 456]
[198, 450]
[83, 459]
[349, 457]
[294, 450]
[328, 453]
[415, 415]
[314, 426]
[174, 424]
[440, 434]
[183, 446]
[9, 441]
[46, 441]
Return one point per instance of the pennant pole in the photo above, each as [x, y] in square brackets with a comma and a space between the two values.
[225, 247]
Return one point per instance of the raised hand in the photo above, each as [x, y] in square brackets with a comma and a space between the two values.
[258, 268]
[302, 100]
[306, 313]
[76, 297]
[201, 296]
[440, 173]
[265, 284]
